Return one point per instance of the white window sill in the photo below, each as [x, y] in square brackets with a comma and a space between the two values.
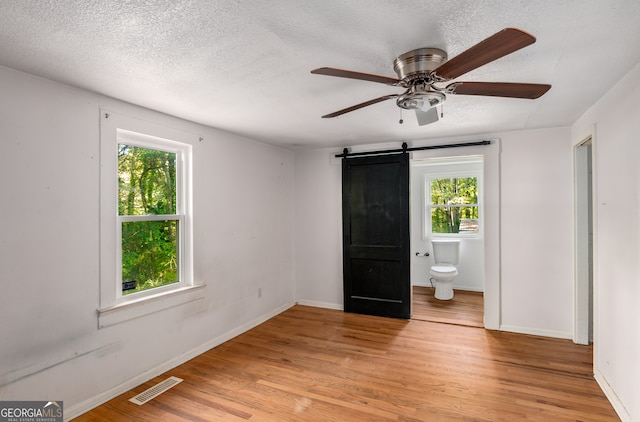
[148, 305]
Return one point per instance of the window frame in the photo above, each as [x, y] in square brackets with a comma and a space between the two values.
[182, 153]
[114, 307]
[428, 205]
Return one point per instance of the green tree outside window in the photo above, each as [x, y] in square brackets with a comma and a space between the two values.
[147, 187]
[454, 205]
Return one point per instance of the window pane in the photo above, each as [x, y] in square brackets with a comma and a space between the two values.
[149, 254]
[454, 219]
[146, 181]
[455, 190]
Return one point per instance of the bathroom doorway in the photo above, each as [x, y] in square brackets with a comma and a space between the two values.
[458, 216]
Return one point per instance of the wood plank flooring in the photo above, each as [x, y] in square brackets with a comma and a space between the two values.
[313, 364]
[466, 308]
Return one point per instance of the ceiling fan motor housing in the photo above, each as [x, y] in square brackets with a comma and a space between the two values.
[415, 69]
[418, 64]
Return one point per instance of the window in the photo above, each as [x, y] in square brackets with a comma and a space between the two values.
[454, 205]
[146, 262]
[452, 196]
[150, 215]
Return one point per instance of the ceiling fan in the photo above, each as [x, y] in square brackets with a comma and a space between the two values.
[425, 73]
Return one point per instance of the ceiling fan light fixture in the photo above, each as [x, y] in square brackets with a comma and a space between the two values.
[424, 100]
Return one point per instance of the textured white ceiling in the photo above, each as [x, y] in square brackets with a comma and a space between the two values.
[243, 66]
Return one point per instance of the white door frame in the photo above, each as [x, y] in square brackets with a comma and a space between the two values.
[583, 241]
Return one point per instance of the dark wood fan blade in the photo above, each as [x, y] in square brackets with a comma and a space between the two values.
[361, 105]
[498, 45]
[501, 89]
[330, 71]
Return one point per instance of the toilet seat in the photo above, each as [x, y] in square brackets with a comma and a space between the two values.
[442, 276]
[444, 269]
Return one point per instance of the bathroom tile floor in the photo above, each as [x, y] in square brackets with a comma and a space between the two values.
[466, 308]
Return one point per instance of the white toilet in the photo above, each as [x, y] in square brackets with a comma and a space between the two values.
[445, 254]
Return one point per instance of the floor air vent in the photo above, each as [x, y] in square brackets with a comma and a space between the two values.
[155, 391]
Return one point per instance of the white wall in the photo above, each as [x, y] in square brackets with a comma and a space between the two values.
[318, 205]
[49, 248]
[536, 194]
[614, 123]
[537, 232]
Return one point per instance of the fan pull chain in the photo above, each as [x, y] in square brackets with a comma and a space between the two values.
[401, 121]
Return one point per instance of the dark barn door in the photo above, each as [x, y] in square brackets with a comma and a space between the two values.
[375, 223]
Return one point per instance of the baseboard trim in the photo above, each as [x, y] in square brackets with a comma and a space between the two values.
[622, 412]
[316, 304]
[87, 405]
[537, 332]
[465, 288]
[468, 288]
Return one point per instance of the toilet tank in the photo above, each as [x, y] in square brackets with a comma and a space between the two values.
[446, 251]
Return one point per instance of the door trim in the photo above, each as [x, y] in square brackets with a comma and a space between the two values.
[583, 242]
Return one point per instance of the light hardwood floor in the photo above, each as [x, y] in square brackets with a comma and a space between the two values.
[312, 364]
[466, 308]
